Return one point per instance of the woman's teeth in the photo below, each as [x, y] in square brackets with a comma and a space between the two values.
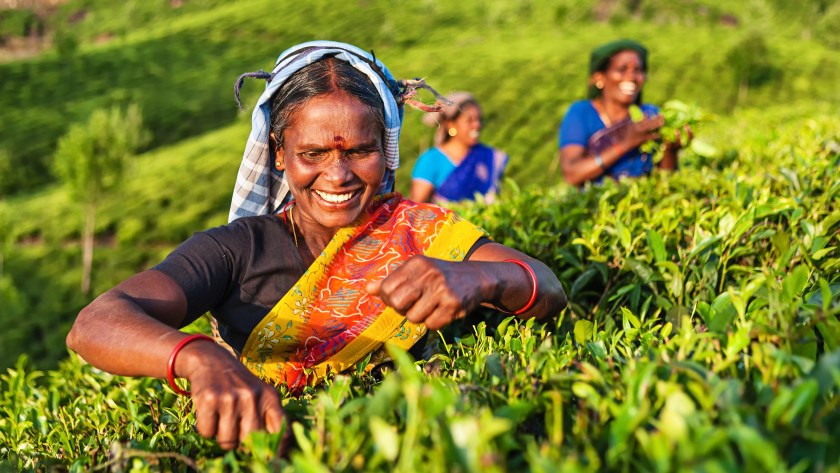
[474, 134]
[628, 88]
[335, 198]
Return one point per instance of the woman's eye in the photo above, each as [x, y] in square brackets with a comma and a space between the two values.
[312, 155]
[359, 153]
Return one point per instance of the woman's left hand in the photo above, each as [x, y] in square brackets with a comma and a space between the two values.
[432, 291]
[682, 138]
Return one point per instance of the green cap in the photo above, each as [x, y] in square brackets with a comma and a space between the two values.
[601, 55]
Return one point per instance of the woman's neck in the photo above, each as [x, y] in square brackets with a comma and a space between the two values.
[310, 240]
[455, 150]
[614, 110]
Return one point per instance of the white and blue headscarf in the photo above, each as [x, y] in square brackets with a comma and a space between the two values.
[260, 188]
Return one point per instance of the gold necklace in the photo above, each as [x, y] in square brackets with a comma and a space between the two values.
[601, 110]
[292, 220]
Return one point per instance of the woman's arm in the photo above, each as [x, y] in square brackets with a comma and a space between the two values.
[130, 330]
[436, 292]
[669, 154]
[580, 165]
[421, 190]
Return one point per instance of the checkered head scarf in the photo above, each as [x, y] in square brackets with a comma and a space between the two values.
[260, 188]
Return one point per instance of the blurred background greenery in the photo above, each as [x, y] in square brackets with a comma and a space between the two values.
[177, 60]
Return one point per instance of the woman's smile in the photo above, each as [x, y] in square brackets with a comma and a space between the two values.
[628, 88]
[336, 198]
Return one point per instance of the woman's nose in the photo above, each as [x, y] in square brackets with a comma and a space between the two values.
[338, 171]
[633, 74]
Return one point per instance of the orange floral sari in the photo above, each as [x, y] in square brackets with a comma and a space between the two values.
[327, 321]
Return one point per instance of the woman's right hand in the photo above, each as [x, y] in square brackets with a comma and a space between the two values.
[147, 308]
[230, 402]
[643, 131]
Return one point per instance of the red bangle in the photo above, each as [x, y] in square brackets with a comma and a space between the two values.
[170, 367]
[533, 279]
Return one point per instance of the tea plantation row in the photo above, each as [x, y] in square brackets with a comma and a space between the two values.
[702, 334]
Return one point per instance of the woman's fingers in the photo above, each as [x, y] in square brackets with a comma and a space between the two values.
[429, 291]
[250, 418]
[689, 133]
[421, 310]
[227, 434]
[271, 411]
[404, 287]
[206, 420]
[443, 315]
[231, 403]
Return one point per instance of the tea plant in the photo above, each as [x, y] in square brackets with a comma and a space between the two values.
[702, 334]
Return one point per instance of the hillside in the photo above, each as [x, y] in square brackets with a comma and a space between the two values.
[178, 63]
[702, 332]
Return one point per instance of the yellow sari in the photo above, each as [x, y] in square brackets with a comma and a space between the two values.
[327, 321]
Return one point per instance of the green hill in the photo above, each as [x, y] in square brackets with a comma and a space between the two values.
[729, 267]
[525, 60]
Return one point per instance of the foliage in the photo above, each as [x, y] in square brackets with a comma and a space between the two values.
[703, 333]
[17, 23]
[703, 328]
[179, 63]
[677, 115]
[751, 64]
[91, 158]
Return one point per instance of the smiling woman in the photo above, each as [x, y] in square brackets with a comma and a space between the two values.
[458, 167]
[321, 265]
[600, 137]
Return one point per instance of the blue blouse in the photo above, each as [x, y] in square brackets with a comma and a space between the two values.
[582, 121]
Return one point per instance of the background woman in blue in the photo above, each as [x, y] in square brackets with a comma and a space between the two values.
[458, 167]
[597, 136]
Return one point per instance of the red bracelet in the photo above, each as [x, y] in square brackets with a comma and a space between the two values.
[533, 279]
[170, 367]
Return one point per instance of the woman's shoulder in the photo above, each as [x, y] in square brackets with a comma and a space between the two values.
[433, 153]
[580, 109]
[583, 105]
[247, 229]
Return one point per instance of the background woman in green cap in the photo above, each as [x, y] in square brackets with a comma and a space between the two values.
[598, 137]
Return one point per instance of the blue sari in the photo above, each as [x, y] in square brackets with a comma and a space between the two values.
[479, 172]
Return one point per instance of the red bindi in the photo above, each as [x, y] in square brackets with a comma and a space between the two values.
[339, 142]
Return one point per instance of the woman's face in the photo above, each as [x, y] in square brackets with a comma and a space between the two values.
[624, 78]
[334, 162]
[468, 125]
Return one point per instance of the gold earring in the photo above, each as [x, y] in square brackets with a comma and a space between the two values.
[452, 131]
[599, 85]
[277, 164]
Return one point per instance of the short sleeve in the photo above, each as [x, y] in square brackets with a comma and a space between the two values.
[428, 167]
[573, 128]
[204, 269]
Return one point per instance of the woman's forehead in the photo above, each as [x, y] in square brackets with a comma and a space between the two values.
[326, 117]
[627, 55]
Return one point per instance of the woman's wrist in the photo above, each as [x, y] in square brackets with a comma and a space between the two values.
[192, 356]
[507, 294]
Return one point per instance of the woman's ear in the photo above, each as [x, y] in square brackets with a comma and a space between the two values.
[597, 80]
[279, 162]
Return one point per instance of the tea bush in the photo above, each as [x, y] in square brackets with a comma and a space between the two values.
[703, 326]
[702, 333]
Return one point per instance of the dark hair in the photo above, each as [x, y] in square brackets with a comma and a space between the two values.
[320, 78]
